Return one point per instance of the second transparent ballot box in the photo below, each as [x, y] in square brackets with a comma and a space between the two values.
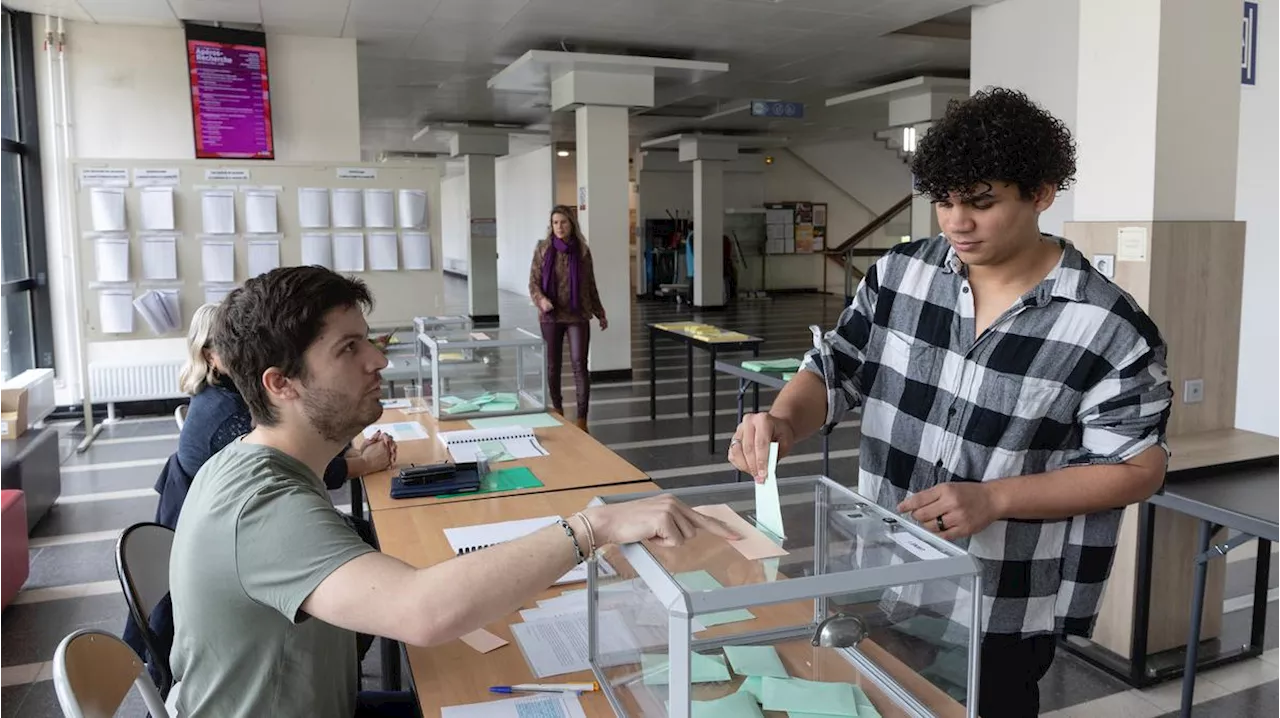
[849, 609]
[483, 372]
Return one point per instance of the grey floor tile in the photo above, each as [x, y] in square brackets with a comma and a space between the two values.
[96, 516]
[1235, 627]
[11, 699]
[32, 630]
[1071, 681]
[157, 448]
[1257, 702]
[119, 479]
[72, 563]
[1240, 576]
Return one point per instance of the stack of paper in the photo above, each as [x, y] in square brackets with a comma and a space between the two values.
[107, 207]
[518, 442]
[552, 706]
[111, 254]
[157, 208]
[160, 309]
[771, 365]
[557, 645]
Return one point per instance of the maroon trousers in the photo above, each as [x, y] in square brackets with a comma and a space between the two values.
[553, 333]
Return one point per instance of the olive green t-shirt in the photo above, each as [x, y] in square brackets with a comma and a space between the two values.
[256, 536]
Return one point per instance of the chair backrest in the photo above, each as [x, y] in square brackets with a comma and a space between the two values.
[180, 415]
[93, 672]
[142, 563]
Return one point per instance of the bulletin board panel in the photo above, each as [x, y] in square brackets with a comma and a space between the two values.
[399, 295]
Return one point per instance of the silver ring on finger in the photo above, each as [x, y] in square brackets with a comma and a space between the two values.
[734, 442]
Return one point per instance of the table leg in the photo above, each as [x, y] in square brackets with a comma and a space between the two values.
[711, 395]
[1261, 580]
[755, 388]
[826, 455]
[688, 368]
[1142, 595]
[1197, 608]
[390, 665]
[357, 497]
[742, 394]
[653, 376]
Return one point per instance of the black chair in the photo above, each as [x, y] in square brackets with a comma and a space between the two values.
[142, 563]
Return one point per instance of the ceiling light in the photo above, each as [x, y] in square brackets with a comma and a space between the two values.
[562, 153]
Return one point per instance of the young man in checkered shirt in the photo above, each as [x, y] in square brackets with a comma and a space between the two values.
[1013, 399]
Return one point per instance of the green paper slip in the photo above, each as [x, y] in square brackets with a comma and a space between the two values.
[753, 686]
[721, 617]
[461, 407]
[450, 400]
[788, 376]
[866, 709]
[516, 477]
[734, 705]
[494, 451]
[482, 399]
[507, 396]
[527, 421]
[755, 661]
[697, 581]
[796, 694]
[772, 365]
[768, 505]
[495, 406]
[702, 669]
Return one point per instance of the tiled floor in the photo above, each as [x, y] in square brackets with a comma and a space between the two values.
[108, 488]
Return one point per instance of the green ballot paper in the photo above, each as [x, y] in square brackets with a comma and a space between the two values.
[768, 504]
[734, 705]
[801, 696]
[756, 661]
[702, 669]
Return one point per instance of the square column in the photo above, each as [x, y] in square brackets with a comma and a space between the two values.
[603, 146]
[708, 226]
[482, 245]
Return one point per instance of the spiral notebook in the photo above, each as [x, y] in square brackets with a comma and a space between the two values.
[469, 539]
[517, 442]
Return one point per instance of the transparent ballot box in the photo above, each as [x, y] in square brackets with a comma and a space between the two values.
[856, 611]
[482, 372]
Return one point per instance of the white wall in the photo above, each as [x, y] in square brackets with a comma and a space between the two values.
[1256, 191]
[129, 98]
[1003, 53]
[525, 197]
[454, 223]
[865, 169]
[566, 180]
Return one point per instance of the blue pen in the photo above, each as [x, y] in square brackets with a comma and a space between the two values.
[575, 688]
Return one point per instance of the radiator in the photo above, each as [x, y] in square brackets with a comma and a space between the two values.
[134, 382]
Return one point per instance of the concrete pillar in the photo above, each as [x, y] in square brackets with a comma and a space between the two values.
[708, 155]
[478, 151]
[924, 218]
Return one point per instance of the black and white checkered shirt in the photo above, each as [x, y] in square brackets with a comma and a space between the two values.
[1073, 374]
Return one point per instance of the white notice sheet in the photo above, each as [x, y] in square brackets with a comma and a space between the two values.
[160, 257]
[157, 208]
[115, 311]
[218, 261]
[107, 205]
[546, 706]
[382, 252]
[348, 251]
[218, 211]
[260, 212]
[264, 256]
[313, 207]
[347, 206]
[317, 249]
[416, 249]
[379, 208]
[413, 208]
[112, 257]
[557, 645]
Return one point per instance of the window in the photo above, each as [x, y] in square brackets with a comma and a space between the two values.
[26, 325]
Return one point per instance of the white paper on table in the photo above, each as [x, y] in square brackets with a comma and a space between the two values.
[557, 645]
[218, 211]
[159, 257]
[115, 311]
[159, 308]
[317, 249]
[264, 255]
[545, 706]
[111, 254]
[313, 207]
[382, 252]
[417, 250]
[413, 208]
[260, 212]
[218, 260]
[215, 293]
[157, 208]
[347, 206]
[107, 206]
[379, 208]
[348, 251]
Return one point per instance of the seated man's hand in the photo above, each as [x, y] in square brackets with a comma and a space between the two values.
[749, 448]
[663, 519]
[379, 452]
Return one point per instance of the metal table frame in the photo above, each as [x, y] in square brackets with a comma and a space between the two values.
[755, 380]
[1136, 671]
[712, 348]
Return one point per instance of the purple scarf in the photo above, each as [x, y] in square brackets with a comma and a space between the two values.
[559, 246]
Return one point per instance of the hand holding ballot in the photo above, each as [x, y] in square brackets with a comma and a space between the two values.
[749, 448]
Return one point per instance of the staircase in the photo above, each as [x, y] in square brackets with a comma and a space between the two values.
[893, 138]
[842, 255]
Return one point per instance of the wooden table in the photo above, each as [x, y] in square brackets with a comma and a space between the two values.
[677, 331]
[454, 674]
[576, 460]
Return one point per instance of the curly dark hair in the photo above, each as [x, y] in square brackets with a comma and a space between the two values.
[998, 135]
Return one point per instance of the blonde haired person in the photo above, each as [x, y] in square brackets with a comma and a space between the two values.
[199, 370]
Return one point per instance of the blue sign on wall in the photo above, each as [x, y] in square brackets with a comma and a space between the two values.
[1249, 50]
[769, 108]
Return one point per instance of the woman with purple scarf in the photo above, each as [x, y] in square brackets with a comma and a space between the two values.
[562, 285]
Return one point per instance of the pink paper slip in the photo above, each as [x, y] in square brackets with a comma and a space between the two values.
[754, 543]
[483, 641]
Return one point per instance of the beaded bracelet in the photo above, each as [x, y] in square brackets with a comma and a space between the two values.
[591, 533]
[577, 549]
